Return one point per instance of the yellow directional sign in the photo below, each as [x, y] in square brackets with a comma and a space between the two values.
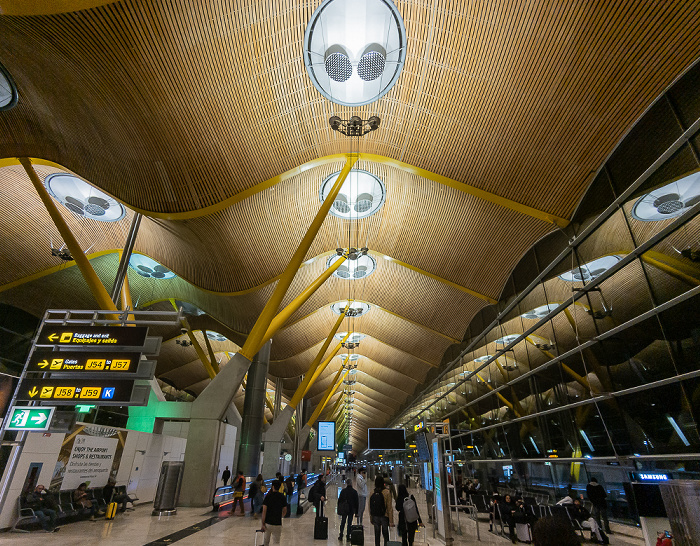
[92, 336]
[46, 392]
[70, 391]
[33, 392]
[85, 362]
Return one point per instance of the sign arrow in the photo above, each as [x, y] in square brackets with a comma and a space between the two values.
[53, 337]
[39, 418]
[43, 363]
[33, 392]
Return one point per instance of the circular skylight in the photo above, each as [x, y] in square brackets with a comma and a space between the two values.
[355, 337]
[361, 195]
[357, 308]
[589, 271]
[505, 340]
[540, 312]
[149, 268]
[360, 268]
[82, 199]
[353, 357]
[354, 50]
[483, 358]
[8, 90]
[668, 201]
[353, 371]
[216, 336]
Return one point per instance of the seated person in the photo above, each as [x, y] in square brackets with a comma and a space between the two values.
[507, 509]
[44, 507]
[81, 500]
[110, 494]
[583, 516]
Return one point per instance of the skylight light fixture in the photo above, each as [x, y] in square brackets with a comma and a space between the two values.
[589, 271]
[483, 358]
[539, 312]
[82, 199]
[355, 337]
[149, 268]
[359, 268]
[505, 340]
[216, 336]
[357, 308]
[8, 90]
[668, 201]
[354, 50]
[361, 195]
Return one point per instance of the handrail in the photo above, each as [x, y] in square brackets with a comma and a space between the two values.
[223, 495]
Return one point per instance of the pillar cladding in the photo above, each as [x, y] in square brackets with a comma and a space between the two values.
[254, 412]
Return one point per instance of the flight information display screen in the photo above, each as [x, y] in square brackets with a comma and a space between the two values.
[386, 438]
[326, 435]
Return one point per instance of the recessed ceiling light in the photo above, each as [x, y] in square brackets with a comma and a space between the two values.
[355, 337]
[149, 268]
[357, 309]
[589, 271]
[359, 268]
[354, 50]
[82, 199]
[668, 201]
[361, 195]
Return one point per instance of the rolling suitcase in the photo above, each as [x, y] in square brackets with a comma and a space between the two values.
[522, 531]
[357, 535]
[394, 542]
[111, 510]
[262, 534]
[320, 525]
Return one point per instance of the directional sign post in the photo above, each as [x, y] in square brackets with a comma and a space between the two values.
[82, 362]
[115, 392]
[30, 418]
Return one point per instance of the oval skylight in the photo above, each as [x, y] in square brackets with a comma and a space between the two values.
[505, 340]
[354, 50]
[361, 195]
[668, 201]
[216, 336]
[483, 358]
[357, 309]
[82, 199]
[360, 268]
[8, 90]
[149, 268]
[355, 337]
[353, 357]
[540, 312]
[589, 271]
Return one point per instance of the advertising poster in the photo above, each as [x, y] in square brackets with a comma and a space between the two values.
[90, 454]
[326, 435]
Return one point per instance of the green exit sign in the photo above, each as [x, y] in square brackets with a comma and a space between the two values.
[30, 418]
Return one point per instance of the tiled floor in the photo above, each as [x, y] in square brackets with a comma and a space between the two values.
[139, 527]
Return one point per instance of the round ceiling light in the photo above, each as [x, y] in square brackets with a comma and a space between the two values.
[589, 271]
[82, 199]
[483, 358]
[540, 312]
[359, 268]
[668, 201]
[149, 268]
[361, 195]
[8, 90]
[216, 336]
[354, 50]
[351, 358]
[357, 308]
[355, 337]
[505, 340]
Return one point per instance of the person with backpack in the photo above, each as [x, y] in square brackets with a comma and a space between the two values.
[380, 510]
[409, 518]
[289, 491]
[317, 493]
[348, 504]
[238, 491]
[362, 491]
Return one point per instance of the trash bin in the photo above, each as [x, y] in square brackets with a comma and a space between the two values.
[168, 491]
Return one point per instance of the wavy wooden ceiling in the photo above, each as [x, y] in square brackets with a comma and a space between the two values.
[176, 106]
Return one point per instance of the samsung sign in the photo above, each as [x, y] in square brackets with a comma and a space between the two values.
[651, 477]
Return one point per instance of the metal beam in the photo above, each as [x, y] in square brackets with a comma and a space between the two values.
[256, 335]
[125, 256]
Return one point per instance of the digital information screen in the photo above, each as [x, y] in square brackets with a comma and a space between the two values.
[423, 449]
[386, 438]
[326, 435]
[436, 475]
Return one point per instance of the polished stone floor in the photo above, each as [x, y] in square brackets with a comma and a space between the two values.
[139, 528]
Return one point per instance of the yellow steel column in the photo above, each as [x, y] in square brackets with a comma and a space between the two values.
[305, 383]
[297, 302]
[325, 363]
[258, 331]
[96, 287]
[212, 357]
[327, 396]
[125, 295]
[208, 366]
[337, 404]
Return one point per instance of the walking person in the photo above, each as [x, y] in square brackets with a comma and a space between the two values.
[274, 508]
[362, 493]
[597, 495]
[381, 511]
[256, 494]
[409, 517]
[348, 504]
[289, 491]
[226, 476]
[238, 491]
[317, 493]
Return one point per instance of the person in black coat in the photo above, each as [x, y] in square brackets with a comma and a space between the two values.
[317, 493]
[507, 508]
[348, 506]
[406, 528]
[226, 476]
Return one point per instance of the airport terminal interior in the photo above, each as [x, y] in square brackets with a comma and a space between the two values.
[438, 250]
